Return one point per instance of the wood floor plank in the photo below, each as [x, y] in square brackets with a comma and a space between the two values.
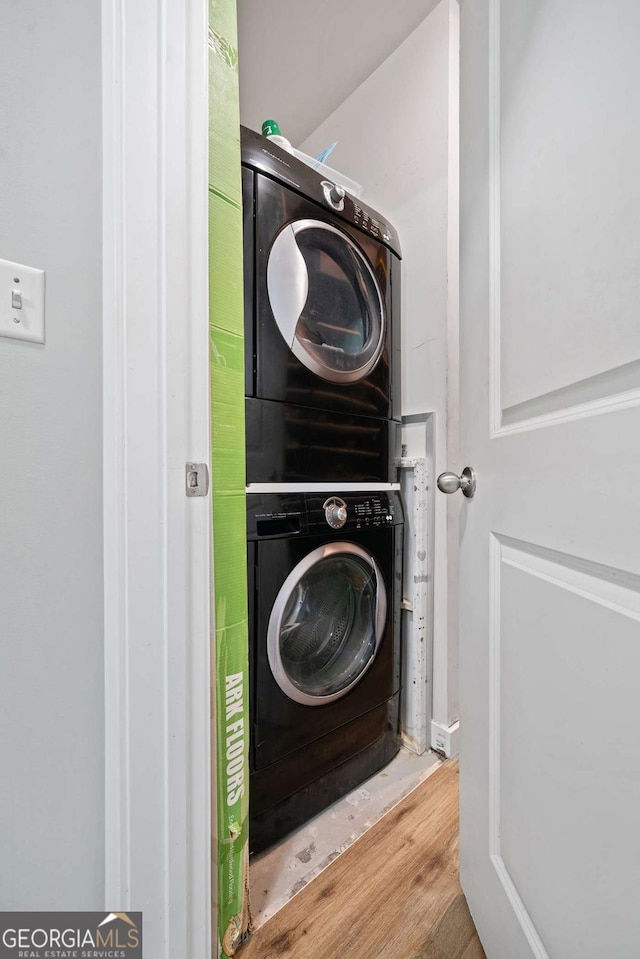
[394, 894]
[451, 937]
[474, 950]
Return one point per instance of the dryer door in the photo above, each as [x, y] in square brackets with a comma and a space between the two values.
[326, 300]
[326, 624]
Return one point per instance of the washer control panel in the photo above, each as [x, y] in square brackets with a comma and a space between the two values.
[277, 515]
[359, 511]
[377, 510]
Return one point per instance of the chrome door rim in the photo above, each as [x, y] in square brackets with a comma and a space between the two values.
[302, 287]
[275, 621]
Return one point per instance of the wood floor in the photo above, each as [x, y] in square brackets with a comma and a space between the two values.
[394, 894]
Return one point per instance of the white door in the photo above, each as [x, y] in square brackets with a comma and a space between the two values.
[550, 545]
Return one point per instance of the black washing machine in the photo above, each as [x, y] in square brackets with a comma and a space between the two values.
[325, 581]
[322, 326]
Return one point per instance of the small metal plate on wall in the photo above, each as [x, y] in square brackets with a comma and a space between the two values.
[196, 479]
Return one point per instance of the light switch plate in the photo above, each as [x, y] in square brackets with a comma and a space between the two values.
[26, 323]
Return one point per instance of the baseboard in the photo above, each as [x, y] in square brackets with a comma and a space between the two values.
[444, 739]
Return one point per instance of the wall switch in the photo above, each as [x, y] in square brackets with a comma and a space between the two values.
[21, 302]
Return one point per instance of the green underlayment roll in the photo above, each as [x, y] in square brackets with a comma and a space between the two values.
[230, 848]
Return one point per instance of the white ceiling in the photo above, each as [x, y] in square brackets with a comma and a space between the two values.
[300, 59]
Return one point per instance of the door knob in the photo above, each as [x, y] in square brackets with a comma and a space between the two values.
[451, 482]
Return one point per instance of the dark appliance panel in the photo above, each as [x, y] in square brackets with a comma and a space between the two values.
[294, 444]
[248, 245]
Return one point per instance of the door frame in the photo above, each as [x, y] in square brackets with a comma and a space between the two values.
[157, 542]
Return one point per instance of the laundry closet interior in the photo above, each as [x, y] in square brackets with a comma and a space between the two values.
[350, 290]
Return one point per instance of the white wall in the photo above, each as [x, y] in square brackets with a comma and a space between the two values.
[299, 59]
[51, 634]
[397, 135]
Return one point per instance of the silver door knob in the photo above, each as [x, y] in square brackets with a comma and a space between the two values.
[451, 482]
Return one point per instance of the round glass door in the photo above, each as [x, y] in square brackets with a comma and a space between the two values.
[326, 624]
[326, 301]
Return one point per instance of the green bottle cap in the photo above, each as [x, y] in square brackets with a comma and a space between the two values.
[270, 129]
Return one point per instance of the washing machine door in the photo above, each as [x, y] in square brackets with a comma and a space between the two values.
[327, 624]
[326, 300]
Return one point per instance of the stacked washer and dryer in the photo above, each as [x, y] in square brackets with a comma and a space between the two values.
[324, 517]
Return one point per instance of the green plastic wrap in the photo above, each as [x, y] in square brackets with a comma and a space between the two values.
[230, 842]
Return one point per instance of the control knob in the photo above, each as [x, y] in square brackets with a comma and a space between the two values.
[334, 194]
[335, 511]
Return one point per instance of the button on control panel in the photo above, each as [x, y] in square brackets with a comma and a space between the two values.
[377, 228]
[375, 511]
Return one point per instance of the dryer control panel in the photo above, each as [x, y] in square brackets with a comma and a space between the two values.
[266, 157]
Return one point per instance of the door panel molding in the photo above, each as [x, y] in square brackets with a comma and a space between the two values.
[497, 549]
[615, 388]
[618, 388]
[519, 908]
[615, 591]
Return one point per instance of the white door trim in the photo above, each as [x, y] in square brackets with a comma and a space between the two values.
[157, 541]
